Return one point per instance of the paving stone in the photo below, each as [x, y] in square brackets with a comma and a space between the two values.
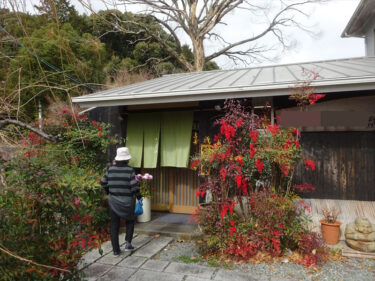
[194, 278]
[91, 256]
[113, 260]
[107, 247]
[224, 275]
[117, 274]
[96, 270]
[122, 237]
[190, 269]
[90, 279]
[132, 262]
[147, 275]
[82, 264]
[156, 265]
[152, 248]
[140, 241]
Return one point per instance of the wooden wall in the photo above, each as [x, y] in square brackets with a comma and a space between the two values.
[113, 115]
[174, 189]
[345, 165]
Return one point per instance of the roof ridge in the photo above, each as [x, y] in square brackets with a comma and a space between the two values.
[271, 65]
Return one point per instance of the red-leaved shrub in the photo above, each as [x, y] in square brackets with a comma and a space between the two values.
[252, 162]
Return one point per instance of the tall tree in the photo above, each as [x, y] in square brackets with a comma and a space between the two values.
[199, 20]
[57, 10]
[53, 61]
[134, 49]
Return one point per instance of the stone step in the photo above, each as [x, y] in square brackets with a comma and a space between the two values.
[177, 231]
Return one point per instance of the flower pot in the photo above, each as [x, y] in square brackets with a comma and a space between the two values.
[146, 216]
[330, 232]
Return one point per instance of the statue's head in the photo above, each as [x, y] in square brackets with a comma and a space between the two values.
[363, 225]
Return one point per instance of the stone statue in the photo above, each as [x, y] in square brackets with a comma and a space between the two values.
[360, 235]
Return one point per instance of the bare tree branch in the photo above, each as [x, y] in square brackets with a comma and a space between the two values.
[158, 60]
[41, 133]
[199, 20]
[6, 251]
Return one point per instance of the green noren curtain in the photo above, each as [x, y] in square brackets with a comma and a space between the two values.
[176, 129]
[151, 133]
[134, 139]
[142, 135]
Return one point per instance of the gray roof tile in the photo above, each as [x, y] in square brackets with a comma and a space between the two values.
[334, 76]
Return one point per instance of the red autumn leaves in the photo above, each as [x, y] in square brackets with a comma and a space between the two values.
[309, 164]
[227, 130]
[225, 207]
[253, 138]
[97, 126]
[260, 165]
[274, 129]
[241, 183]
[194, 165]
[240, 155]
[313, 98]
[224, 210]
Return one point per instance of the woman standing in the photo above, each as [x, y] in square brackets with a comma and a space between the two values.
[120, 183]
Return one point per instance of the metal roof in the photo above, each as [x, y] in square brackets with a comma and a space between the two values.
[339, 75]
[361, 18]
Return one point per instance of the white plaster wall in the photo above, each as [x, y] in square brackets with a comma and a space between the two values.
[363, 103]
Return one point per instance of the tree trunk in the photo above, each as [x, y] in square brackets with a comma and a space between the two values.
[199, 57]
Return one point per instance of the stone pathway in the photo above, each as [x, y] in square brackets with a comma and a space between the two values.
[139, 265]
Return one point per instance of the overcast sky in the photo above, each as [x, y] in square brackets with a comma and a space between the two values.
[329, 20]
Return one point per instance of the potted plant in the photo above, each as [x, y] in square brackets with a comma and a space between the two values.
[330, 226]
[146, 191]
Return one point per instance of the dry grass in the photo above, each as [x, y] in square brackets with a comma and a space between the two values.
[53, 114]
[123, 78]
[266, 258]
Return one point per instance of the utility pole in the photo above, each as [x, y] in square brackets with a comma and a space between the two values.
[40, 114]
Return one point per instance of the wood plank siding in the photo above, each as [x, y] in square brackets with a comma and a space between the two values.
[345, 165]
[183, 188]
[160, 184]
[174, 189]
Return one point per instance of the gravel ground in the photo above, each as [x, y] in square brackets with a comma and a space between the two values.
[352, 269]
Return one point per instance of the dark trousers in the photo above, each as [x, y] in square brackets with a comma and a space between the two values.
[115, 227]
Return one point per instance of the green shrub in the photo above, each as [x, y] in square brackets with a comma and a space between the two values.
[51, 204]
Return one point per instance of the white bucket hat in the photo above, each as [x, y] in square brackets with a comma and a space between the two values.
[122, 154]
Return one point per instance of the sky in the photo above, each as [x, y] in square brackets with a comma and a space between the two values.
[327, 20]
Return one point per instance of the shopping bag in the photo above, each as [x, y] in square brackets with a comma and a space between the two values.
[138, 208]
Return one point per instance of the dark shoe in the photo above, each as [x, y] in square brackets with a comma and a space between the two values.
[116, 254]
[128, 247]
